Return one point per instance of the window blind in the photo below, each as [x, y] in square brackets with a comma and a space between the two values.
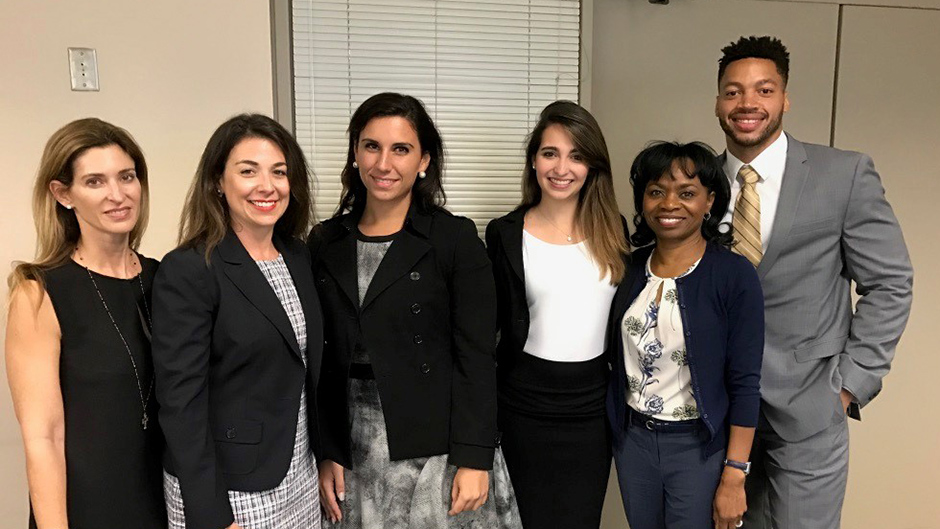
[483, 69]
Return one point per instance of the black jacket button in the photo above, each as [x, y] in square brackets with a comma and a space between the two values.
[418, 338]
[416, 309]
[415, 276]
[230, 433]
[425, 368]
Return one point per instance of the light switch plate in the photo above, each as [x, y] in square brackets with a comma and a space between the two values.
[83, 66]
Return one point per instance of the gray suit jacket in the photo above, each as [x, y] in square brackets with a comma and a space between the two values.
[833, 226]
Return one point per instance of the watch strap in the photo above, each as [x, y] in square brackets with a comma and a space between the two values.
[742, 466]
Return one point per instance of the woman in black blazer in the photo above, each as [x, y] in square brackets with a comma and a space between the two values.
[407, 397]
[557, 260]
[237, 339]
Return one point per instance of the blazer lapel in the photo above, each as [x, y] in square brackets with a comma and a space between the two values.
[303, 281]
[247, 278]
[402, 255]
[511, 237]
[339, 257]
[794, 179]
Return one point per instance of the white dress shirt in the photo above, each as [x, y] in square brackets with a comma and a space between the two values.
[770, 165]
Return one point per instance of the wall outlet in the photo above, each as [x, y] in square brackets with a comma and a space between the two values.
[83, 67]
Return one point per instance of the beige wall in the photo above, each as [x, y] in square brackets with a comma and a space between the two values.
[895, 461]
[170, 72]
[654, 71]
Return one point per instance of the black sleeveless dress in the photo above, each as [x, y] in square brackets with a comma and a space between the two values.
[113, 470]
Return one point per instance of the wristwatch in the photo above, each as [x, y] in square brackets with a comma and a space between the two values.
[743, 467]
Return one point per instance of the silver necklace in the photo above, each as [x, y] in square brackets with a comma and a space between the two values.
[140, 392]
[544, 216]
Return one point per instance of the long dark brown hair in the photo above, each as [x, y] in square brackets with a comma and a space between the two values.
[598, 216]
[57, 230]
[205, 218]
[428, 192]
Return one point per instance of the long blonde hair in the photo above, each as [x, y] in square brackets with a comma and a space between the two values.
[57, 229]
[598, 216]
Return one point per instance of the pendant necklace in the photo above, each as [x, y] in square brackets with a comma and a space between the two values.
[544, 216]
[144, 401]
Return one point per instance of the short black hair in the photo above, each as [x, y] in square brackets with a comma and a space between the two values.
[752, 47]
[656, 160]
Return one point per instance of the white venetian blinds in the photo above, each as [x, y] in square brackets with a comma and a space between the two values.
[483, 69]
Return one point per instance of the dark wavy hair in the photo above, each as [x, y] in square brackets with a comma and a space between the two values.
[428, 192]
[205, 218]
[699, 161]
[756, 48]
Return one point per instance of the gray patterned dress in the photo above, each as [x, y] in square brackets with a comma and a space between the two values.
[294, 504]
[412, 493]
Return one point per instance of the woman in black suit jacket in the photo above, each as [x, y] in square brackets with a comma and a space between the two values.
[237, 338]
[407, 397]
[557, 260]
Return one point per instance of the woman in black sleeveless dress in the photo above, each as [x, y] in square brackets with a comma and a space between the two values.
[78, 338]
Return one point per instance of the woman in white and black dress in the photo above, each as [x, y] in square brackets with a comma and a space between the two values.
[557, 260]
[407, 396]
[237, 339]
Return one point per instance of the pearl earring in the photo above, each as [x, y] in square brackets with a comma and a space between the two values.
[218, 191]
[68, 207]
[355, 165]
[422, 174]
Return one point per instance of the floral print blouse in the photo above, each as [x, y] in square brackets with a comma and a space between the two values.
[658, 377]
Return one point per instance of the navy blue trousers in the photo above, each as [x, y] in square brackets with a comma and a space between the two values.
[665, 479]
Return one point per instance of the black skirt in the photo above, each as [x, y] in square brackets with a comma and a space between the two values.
[556, 440]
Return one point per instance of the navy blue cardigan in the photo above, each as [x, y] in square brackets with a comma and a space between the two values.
[722, 308]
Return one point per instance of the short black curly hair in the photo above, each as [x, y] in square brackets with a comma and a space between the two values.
[752, 47]
[698, 161]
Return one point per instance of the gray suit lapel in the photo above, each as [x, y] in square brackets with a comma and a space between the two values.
[794, 179]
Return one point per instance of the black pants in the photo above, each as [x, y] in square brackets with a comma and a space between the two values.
[556, 440]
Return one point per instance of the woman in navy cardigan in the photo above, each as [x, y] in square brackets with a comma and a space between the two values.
[687, 338]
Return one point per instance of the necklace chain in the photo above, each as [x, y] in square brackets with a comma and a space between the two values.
[144, 401]
[544, 216]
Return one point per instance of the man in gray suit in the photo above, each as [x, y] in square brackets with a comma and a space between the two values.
[813, 220]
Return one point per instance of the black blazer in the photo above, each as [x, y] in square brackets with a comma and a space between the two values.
[229, 373]
[428, 322]
[504, 246]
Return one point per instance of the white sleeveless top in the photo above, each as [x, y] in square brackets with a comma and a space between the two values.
[569, 301]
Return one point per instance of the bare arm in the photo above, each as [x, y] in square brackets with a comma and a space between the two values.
[32, 359]
[730, 502]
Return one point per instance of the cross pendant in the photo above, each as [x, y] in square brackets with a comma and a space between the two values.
[143, 421]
